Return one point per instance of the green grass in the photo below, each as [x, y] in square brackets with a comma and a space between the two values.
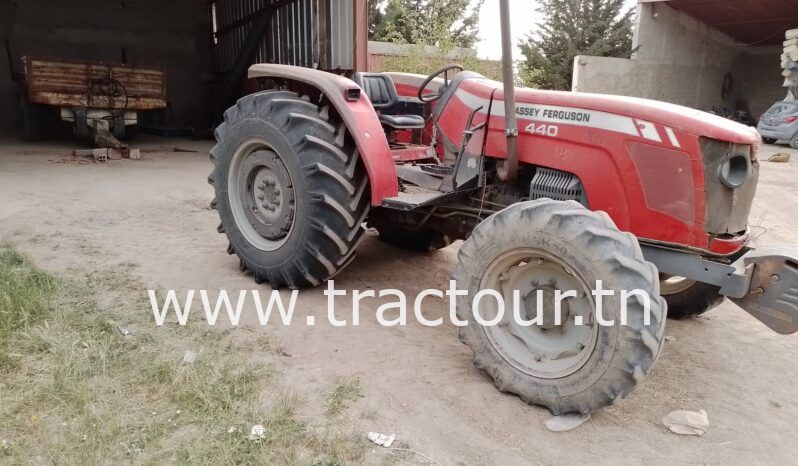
[25, 294]
[73, 390]
[345, 392]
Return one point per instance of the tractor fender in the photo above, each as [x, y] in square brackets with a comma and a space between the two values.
[359, 117]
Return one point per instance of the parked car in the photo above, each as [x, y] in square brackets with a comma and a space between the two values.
[780, 123]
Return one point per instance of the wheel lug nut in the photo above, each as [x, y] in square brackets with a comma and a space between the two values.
[580, 347]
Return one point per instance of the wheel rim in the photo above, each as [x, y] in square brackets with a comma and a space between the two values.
[547, 350]
[261, 194]
[670, 285]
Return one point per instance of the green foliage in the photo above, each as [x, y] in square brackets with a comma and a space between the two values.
[574, 27]
[420, 63]
[442, 23]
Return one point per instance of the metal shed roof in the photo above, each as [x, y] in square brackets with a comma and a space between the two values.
[752, 22]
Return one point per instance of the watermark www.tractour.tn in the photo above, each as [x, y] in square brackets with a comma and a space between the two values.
[535, 308]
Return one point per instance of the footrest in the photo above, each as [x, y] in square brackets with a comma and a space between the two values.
[411, 201]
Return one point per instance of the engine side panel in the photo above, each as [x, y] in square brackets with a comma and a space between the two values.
[647, 175]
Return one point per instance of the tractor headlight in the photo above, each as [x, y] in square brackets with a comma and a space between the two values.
[734, 171]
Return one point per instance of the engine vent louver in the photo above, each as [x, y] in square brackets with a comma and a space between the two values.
[557, 185]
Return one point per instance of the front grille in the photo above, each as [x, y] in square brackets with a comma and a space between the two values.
[727, 209]
[556, 185]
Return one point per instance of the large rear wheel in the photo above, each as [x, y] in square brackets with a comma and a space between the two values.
[291, 191]
[573, 365]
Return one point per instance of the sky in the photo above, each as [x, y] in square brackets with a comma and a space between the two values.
[523, 18]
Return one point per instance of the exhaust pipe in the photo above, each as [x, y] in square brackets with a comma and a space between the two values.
[508, 169]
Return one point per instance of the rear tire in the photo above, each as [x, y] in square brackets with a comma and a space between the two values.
[579, 378]
[769, 140]
[690, 300]
[291, 191]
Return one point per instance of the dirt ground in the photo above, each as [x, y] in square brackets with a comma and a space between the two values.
[153, 214]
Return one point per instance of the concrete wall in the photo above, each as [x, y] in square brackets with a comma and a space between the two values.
[681, 60]
[174, 35]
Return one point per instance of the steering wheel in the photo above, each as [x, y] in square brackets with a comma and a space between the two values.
[427, 98]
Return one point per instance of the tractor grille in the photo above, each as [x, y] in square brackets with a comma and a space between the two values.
[556, 185]
[727, 209]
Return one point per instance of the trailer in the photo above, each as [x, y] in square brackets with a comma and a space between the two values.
[89, 95]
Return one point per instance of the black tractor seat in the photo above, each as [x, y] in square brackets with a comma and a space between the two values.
[382, 92]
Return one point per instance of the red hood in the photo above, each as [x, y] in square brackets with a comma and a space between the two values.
[675, 116]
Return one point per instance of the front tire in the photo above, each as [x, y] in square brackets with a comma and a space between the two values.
[542, 247]
[291, 191]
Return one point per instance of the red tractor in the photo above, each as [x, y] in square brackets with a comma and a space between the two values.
[641, 195]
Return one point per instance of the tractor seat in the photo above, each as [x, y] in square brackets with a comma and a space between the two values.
[382, 92]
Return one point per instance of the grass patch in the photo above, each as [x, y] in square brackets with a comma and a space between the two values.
[74, 390]
[25, 294]
[345, 392]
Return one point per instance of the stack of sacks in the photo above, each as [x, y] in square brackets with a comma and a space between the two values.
[789, 59]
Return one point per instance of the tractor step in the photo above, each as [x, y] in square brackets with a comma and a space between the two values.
[411, 201]
[422, 178]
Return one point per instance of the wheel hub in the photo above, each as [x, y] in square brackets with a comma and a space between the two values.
[546, 303]
[261, 195]
[268, 195]
[546, 349]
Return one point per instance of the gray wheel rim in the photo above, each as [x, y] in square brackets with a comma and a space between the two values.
[670, 285]
[261, 194]
[544, 351]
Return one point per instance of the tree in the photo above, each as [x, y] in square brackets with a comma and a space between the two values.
[442, 23]
[570, 28]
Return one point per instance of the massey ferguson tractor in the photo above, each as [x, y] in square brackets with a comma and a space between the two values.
[550, 191]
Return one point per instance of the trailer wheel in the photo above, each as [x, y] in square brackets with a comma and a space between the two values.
[688, 298]
[118, 127]
[291, 191]
[540, 247]
[31, 119]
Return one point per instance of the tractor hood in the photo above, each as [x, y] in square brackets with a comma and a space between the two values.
[674, 116]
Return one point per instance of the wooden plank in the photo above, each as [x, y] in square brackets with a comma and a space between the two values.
[67, 83]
